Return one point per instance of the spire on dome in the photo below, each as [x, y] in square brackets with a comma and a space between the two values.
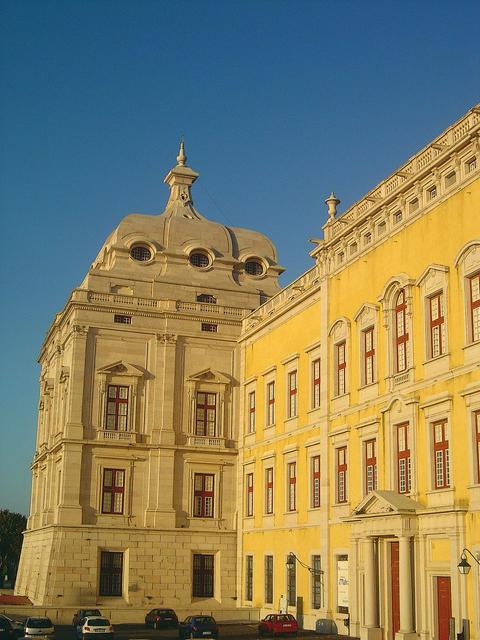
[181, 158]
[180, 179]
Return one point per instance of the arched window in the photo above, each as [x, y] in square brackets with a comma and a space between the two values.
[401, 334]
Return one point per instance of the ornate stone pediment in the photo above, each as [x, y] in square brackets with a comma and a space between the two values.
[121, 368]
[209, 376]
[378, 503]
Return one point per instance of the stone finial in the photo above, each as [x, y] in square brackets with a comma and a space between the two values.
[332, 202]
[181, 158]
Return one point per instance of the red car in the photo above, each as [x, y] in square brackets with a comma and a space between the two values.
[277, 623]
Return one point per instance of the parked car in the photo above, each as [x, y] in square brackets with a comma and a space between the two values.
[84, 613]
[277, 623]
[198, 627]
[17, 622]
[7, 630]
[94, 626]
[39, 627]
[157, 618]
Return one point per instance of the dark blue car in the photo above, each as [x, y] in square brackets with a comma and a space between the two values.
[198, 627]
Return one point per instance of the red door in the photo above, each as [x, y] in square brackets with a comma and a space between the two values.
[395, 578]
[444, 606]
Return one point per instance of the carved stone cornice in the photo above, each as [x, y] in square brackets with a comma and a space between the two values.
[167, 338]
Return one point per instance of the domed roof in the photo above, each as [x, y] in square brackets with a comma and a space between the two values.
[182, 246]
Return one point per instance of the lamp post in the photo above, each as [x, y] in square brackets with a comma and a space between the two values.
[464, 566]
[292, 559]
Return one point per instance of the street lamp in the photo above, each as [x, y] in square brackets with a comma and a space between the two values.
[464, 566]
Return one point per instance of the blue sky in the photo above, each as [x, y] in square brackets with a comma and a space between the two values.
[279, 102]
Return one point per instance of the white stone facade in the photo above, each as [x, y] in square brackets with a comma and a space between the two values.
[134, 474]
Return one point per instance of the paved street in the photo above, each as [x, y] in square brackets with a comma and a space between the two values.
[140, 632]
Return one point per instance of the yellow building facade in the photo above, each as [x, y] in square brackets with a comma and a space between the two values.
[360, 461]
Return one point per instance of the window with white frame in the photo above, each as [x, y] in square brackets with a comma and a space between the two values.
[291, 486]
[249, 495]
[441, 455]
[341, 474]
[249, 578]
[403, 462]
[474, 305]
[113, 491]
[340, 368]
[476, 426]
[315, 383]
[205, 414]
[401, 333]
[269, 490]
[368, 351]
[268, 579]
[315, 481]
[292, 394]
[316, 582]
[203, 495]
[270, 405]
[251, 412]
[370, 453]
[117, 408]
[436, 325]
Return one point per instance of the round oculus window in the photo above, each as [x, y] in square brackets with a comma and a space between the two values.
[199, 259]
[141, 253]
[254, 268]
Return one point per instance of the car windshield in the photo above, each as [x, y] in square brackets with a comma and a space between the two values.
[98, 622]
[91, 612]
[285, 618]
[204, 620]
[39, 623]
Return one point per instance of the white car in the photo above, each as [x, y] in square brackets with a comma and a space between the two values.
[94, 626]
[39, 627]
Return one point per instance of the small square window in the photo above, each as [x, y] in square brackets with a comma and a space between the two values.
[340, 258]
[207, 326]
[471, 165]
[450, 179]
[122, 319]
[353, 248]
[397, 217]
[367, 238]
[414, 204]
[432, 192]
[382, 227]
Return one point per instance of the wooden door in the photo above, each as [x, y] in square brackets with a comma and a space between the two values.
[444, 606]
[395, 588]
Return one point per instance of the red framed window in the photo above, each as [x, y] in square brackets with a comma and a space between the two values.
[316, 383]
[437, 325]
[203, 575]
[270, 404]
[111, 573]
[113, 491]
[292, 394]
[476, 419]
[291, 486]
[404, 468]
[269, 490]
[341, 366]
[206, 414]
[441, 455]
[370, 465]
[368, 356]
[341, 474]
[251, 412]
[117, 408]
[474, 286]
[203, 495]
[249, 494]
[401, 334]
[315, 482]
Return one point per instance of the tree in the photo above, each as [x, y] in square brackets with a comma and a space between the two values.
[12, 526]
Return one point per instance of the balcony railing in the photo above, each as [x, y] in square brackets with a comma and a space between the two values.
[205, 441]
[122, 436]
